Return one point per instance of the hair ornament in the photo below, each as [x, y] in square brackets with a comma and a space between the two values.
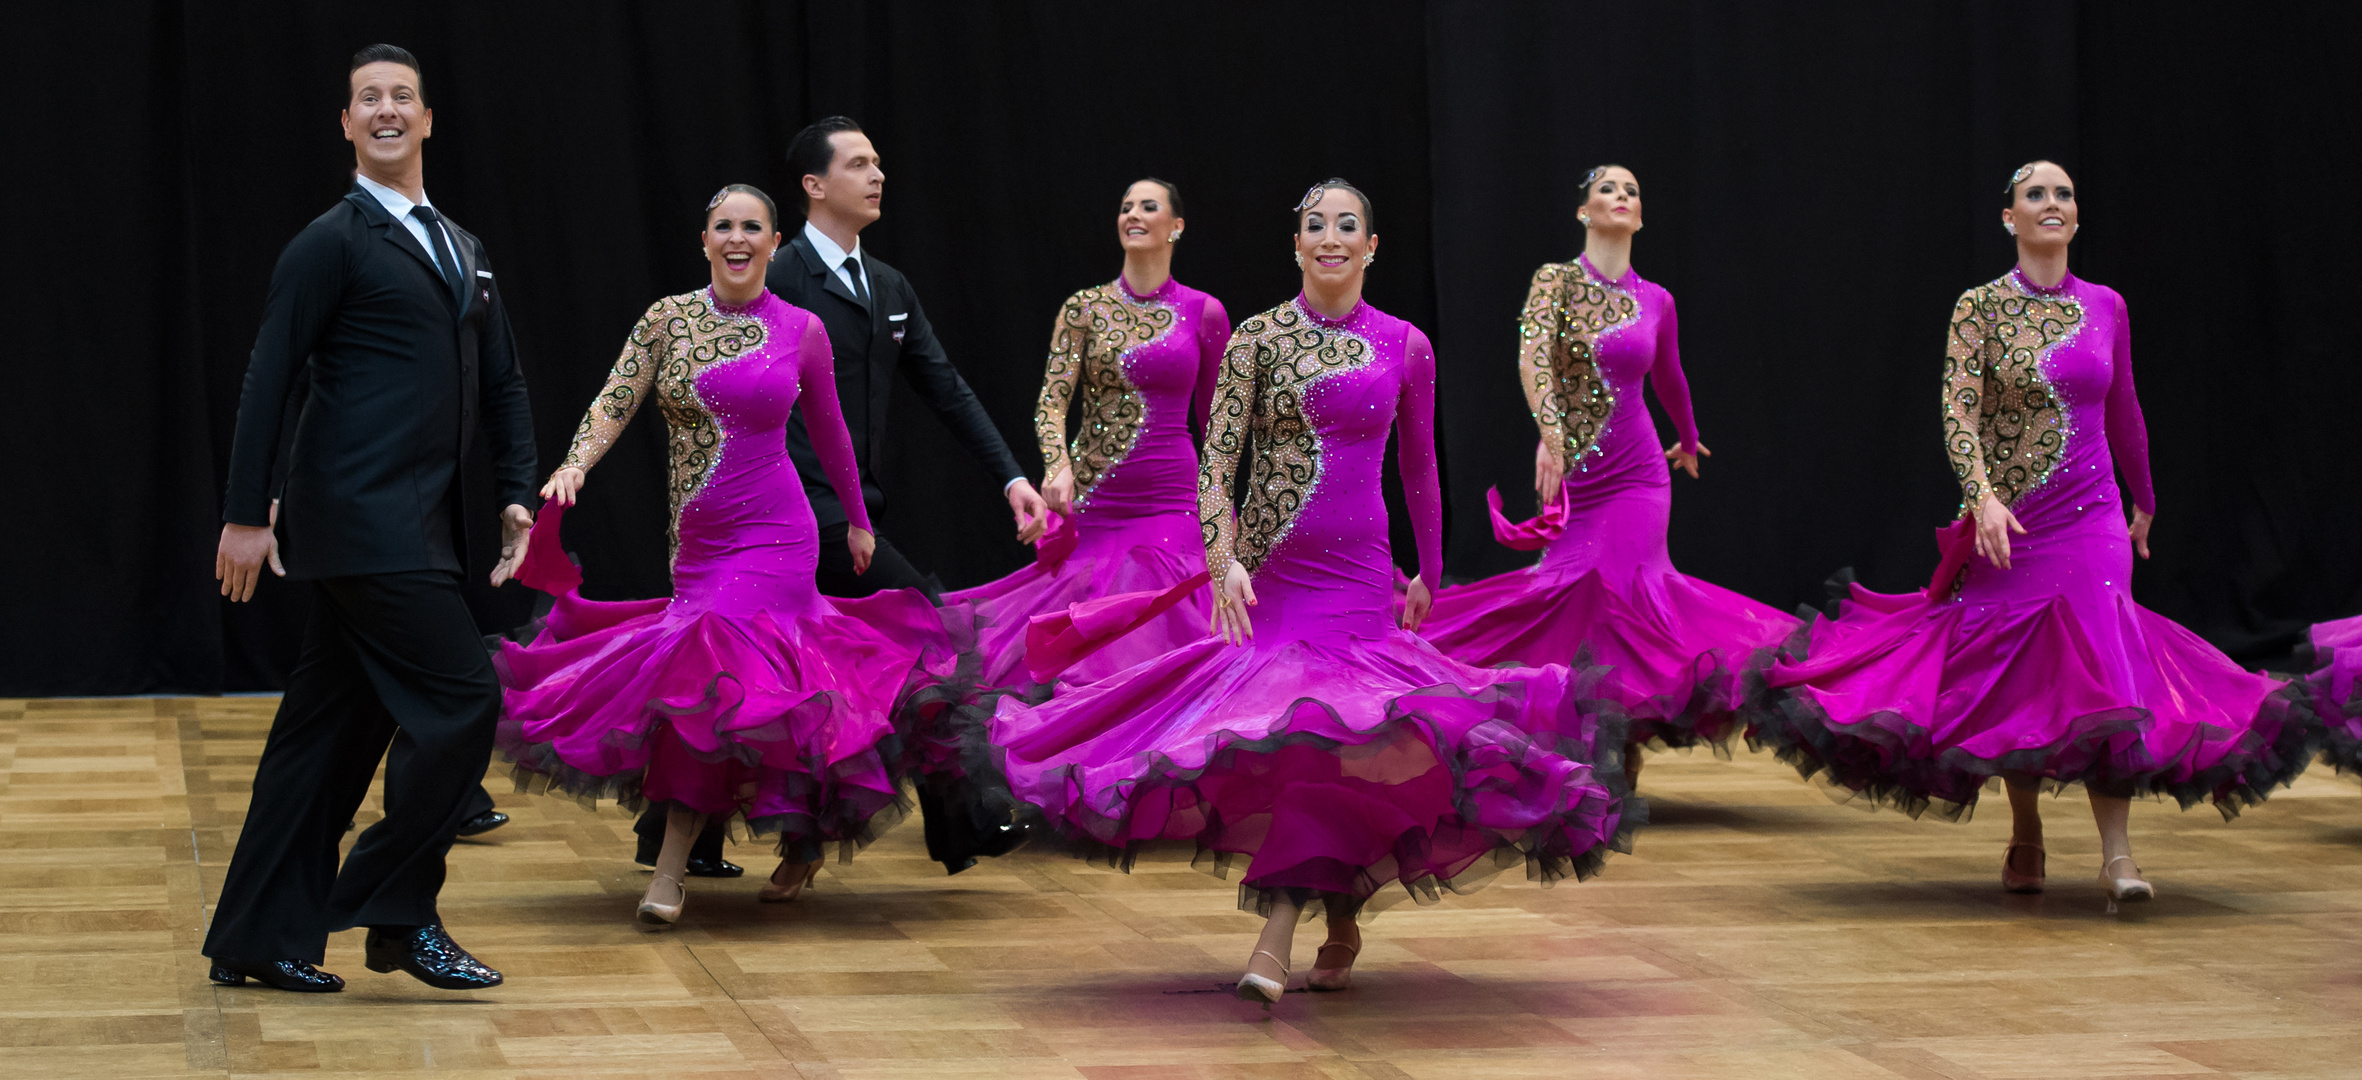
[716, 200]
[2018, 177]
[1312, 197]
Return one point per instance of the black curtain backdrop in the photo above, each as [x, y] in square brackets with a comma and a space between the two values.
[1821, 181]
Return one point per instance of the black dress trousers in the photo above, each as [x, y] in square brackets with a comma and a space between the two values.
[392, 668]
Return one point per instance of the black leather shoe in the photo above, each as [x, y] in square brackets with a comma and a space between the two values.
[429, 955]
[295, 976]
[483, 823]
[714, 868]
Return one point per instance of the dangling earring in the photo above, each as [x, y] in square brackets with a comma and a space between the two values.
[1173, 237]
[2078, 228]
[1369, 258]
[1585, 219]
[1299, 260]
[2012, 227]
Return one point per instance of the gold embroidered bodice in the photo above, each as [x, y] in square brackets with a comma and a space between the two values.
[2005, 428]
[1567, 310]
[1274, 358]
[1096, 328]
[679, 338]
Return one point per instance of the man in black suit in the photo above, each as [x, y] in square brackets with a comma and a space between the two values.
[877, 330]
[393, 312]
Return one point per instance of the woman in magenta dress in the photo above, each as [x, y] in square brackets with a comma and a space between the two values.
[1342, 757]
[1605, 589]
[1135, 358]
[2027, 658]
[2336, 688]
[746, 693]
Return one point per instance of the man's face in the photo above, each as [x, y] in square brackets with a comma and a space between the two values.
[386, 118]
[855, 185]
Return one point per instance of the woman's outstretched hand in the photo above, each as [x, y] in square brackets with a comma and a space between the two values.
[1231, 600]
[564, 485]
[1549, 474]
[1417, 601]
[863, 544]
[1994, 524]
[1032, 514]
[2140, 530]
[1686, 461]
[1058, 491]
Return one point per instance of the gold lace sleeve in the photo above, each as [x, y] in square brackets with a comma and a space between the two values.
[627, 385]
[1068, 340]
[1967, 355]
[1537, 369]
[1226, 437]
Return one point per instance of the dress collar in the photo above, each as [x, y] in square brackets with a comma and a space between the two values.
[1630, 279]
[2026, 284]
[760, 302]
[1161, 292]
[1361, 307]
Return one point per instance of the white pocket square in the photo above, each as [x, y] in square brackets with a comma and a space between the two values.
[898, 318]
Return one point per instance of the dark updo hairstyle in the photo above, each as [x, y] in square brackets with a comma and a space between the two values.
[1596, 172]
[382, 53]
[1369, 214]
[1172, 193]
[770, 208]
[2009, 194]
[812, 151]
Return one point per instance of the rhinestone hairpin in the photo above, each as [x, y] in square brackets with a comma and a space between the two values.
[1311, 198]
[2018, 177]
[716, 200]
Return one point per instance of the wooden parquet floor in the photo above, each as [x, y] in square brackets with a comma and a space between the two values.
[1761, 931]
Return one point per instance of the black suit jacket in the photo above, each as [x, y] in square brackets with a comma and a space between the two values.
[401, 373]
[871, 343]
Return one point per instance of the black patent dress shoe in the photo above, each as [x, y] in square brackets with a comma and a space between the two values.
[429, 955]
[295, 976]
[483, 823]
[714, 868]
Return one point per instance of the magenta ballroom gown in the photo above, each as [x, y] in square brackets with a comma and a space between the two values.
[746, 692]
[1335, 753]
[1605, 590]
[2048, 669]
[1130, 366]
[2336, 688]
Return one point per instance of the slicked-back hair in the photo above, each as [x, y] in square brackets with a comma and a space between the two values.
[1172, 194]
[1369, 214]
[1598, 171]
[812, 151]
[382, 53]
[770, 208]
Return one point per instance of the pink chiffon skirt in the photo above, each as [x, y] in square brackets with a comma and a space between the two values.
[2335, 687]
[1335, 766]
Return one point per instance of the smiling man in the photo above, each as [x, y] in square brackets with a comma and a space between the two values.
[390, 312]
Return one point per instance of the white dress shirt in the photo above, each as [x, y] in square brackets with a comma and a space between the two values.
[399, 205]
[846, 263]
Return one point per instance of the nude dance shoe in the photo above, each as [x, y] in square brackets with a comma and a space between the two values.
[1333, 978]
[1256, 988]
[774, 892]
[2125, 888]
[2012, 881]
[656, 914]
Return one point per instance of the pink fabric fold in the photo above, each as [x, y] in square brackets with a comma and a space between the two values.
[1057, 543]
[546, 566]
[1533, 534]
[1055, 641]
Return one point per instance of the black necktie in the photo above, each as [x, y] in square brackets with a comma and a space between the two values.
[853, 270]
[443, 259]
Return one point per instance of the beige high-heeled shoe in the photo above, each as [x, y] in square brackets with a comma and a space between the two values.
[2125, 888]
[656, 914]
[775, 893]
[1253, 987]
[2012, 881]
[1336, 978]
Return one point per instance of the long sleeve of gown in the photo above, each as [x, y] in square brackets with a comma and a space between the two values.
[627, 386]
[824, 420]
[1414, 439]
[2128, 433]
[1059, 376]
[1213, 336]
[1671, 385]
[1965, 357]
[1217, 470]
[1537, 337]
